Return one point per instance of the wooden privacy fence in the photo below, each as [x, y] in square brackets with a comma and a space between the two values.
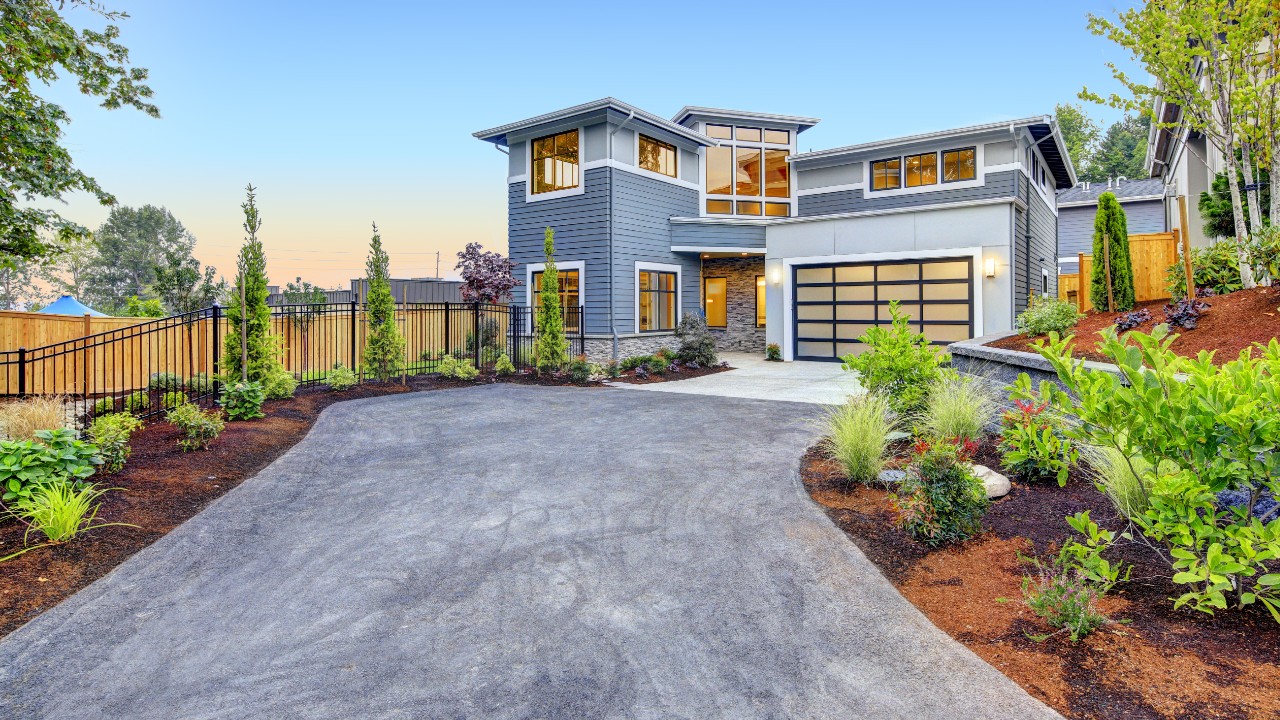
[1151, 255]
[311, 340]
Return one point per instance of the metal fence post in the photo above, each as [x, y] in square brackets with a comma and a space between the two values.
[22, 372]
[353, 334]
[217, 350]
[447, 342]
[475, 332]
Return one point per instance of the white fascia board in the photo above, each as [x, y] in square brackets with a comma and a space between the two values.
[1017, 202]
[1121, 200]
[713, 249]
[696, 110]
[498, 134]
[922, 138]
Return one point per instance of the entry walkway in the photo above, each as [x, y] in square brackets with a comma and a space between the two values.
[823, 383]
[509, 552]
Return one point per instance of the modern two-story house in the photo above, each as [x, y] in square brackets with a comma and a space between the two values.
[716, 211]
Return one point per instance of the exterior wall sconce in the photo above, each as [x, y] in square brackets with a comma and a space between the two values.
[776, 277]
[991, 267]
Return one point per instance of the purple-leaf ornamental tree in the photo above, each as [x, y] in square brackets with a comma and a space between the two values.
[486, 275]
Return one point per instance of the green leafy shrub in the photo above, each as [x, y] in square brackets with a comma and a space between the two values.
[858, 434]
[503, 366]
[1048, 314]
[1085, 558]
[1064, 600]
[105, 405]
[958, 407]
[940, 500]
[612, 370]
[1215, 268]
[579, 370]
[342, 378]
[137, 401]
[697, 344]
[666, 353]
[1033, 443]
[55, 456]
[634, 362]
[199, 384]
[1200, 430]
[773, 351]
[173, 399]
[165, 381]
[61, 512]
[243, 400]
[451, 367]
[280, 385]
[199, 427]
[489, 332]
[658, 364]
[899, 364]
[467, 371]
[111, 433]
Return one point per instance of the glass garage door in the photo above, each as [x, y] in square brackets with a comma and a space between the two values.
[835, 304]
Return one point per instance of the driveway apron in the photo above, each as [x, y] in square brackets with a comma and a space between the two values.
[508, 552]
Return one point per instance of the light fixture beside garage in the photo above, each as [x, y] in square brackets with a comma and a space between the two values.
[991, 267]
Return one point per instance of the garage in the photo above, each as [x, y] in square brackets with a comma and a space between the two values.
[834, 304]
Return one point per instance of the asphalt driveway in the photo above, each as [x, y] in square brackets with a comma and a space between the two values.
[508, 552]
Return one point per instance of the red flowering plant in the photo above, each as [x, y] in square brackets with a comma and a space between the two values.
[1033, 443]
[940, 500]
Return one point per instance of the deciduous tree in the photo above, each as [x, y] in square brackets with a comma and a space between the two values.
[182, 287]
[130, 245]
[486, 275]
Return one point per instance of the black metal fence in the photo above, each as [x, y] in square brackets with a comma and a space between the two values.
[135, 367]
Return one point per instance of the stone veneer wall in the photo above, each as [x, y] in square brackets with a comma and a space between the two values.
[600, 349]
[740, 333]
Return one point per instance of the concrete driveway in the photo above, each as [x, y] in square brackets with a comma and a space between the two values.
[508, 552]
[823, 383]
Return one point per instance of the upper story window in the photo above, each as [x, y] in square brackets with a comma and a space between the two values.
[959, 165]
[886, 174]
[922, 169]
[554, 162]
[750, 171]
[657, 156]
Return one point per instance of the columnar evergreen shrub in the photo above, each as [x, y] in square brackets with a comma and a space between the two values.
[384, 348]
[697, 344]
[550, 348]
[251, 282]
[1110, 222]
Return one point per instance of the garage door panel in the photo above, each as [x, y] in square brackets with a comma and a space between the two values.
[836, 304]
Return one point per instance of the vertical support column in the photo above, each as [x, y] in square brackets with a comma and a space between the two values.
[217, 351]
[22, 372]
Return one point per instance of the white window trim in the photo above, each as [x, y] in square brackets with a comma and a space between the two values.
[703, 196]
[578, 265]
[658, 267]
[788, 286]
[529, 195]
[979, 159]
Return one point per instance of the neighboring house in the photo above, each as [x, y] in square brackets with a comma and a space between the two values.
[716, 211]
[416, 290]
[1142, 202]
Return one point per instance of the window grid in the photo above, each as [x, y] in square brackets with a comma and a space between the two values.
[749, 169]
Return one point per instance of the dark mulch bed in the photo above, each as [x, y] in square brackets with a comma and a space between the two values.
[682, 374]
[1164, 663]
[1232, 323]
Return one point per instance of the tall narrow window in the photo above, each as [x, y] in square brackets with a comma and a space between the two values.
[922, 169]
[555, 162]
[886, 174]
[569, 290]
[720, 171]
[777, 175]
[657, 156]
[657, 301]
[748, 172]
[959, 165]
[714, 297]
[760, 301]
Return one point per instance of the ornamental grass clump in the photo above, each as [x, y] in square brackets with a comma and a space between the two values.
[20, 420]
[60, 512]
[858, 435]
[958, 407]
[940, 500]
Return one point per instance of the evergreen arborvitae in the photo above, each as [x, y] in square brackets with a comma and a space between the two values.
[1110, 221]
[251, 278]
[384, 345]
[550, 349]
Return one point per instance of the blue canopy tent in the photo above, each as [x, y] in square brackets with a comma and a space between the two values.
[67, 305]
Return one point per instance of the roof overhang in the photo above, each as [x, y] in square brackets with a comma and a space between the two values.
[694, 111]
[1160, 140]
[498, 135]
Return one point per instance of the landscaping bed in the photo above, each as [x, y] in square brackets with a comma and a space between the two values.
[1157, 663]
[1232, 323]
[683, 373]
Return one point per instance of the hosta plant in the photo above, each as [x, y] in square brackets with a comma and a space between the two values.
[243, 400]
[55, 456]
[1033, 443]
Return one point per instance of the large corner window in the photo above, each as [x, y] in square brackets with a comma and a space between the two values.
[922, 169]
[715, 295]
[886, 174]
[554, 161]
[959, 165]
[657, 156]
[569, 288]
[748, 173]
[759, 301]
[657, 300]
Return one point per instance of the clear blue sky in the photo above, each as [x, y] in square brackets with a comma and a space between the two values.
[345, 113]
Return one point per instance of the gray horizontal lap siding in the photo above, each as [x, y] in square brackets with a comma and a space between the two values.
[997, 185]
[1075, 226]
[581, 226]
[642, 212]
[709, 235]
[1042, 226]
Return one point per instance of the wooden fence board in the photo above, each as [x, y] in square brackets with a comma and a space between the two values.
[1151, 254]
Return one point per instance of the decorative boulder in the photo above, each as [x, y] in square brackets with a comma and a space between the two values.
[997, 484]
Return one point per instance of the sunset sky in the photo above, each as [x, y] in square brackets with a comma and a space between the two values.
[346, 113]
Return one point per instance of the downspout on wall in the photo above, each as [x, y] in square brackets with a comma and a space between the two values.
[613, 327]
